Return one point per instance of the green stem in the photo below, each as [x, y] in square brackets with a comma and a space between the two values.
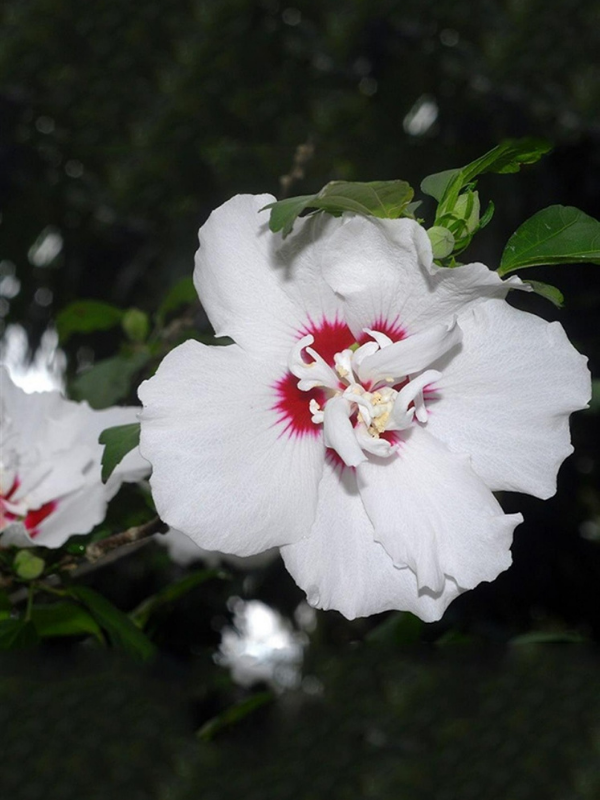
[30, 593]
[45, 587]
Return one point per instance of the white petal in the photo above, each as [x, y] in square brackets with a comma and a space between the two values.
[78, 425]
[432, 513]
[402, 415]
[410, 355]
[76, 513]
[383, 270]
[224, 471]
[184, 551]
[58, 474]
[27, 449]
[255, 287]
[364, 351]
[25, 411]
[505, 399]
[341, 567]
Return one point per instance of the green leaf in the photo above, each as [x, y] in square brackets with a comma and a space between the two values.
[171, 593]
[207, 338]
[180, 294]
[17, 634]
[487, 215]
[234, 714]
[109, 380]
[285, 212]
[548, 637]
[548, 291]
[5, 605]
[64, 619]
[509, 156]
[383, 199]
[123, 634]
[86, 316]
[117, 441]
[435, 185]
[410, 209]
[555, 235]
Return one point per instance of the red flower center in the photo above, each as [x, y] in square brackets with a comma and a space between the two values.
[330, 337]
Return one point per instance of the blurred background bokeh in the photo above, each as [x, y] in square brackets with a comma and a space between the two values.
[123, 124]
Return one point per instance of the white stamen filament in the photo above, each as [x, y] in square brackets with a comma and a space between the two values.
[312, 374]
[339, 432]
[373, 444]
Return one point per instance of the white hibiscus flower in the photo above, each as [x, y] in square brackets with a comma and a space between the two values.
[371, 404]
[50, 465]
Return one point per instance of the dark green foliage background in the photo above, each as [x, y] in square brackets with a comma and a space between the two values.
[170, 108]
[520, 724]
[124, 122]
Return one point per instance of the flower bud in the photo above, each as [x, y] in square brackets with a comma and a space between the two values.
[28, 566]
[442, 241]
[466, 215]
[136, 324]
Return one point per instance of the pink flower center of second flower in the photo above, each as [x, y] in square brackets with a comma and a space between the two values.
[13, 510]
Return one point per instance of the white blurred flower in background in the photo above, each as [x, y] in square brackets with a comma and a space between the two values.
[261, 646]
[44, 372]
[184, 551]
[50, 465]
